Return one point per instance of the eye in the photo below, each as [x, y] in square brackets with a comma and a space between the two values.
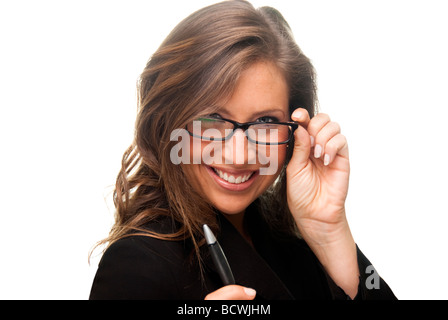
[214, 116]
[267, 119]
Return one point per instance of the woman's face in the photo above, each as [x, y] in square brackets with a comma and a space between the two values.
[232, 183]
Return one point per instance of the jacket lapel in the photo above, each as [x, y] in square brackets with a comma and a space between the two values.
[248, 267]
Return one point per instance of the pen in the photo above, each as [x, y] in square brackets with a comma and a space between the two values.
[218, 257]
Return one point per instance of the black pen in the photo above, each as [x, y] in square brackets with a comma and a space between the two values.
[218, 257]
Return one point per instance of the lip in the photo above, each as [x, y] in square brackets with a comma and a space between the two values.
[232, 186]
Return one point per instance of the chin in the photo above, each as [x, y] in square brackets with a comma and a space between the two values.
[231, 208]
[229, 189]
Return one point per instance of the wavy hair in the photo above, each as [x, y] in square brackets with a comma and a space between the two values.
[198, 64]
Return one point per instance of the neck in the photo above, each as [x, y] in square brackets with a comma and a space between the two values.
[237, 220]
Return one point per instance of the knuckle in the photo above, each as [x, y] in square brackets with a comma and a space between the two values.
[330, 148]
[318, 122]
[313, 128]
[331, 130]
[337, 142]
[323, 116]
[336, 126]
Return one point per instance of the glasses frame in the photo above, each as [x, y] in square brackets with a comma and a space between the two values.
[244, 126]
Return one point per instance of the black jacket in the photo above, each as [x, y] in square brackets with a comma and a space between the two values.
[140, 267]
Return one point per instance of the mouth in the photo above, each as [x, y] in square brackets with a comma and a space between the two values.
[233, 180]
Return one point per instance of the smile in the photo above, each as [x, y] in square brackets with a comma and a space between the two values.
[232, 180]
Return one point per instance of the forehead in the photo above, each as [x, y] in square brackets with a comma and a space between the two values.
[260, 89]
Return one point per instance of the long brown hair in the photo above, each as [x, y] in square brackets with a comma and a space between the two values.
[198, 64]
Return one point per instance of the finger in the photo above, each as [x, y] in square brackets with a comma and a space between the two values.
[301, 151]
[316, 124]
[232, 292]
[322, 137]
[334, 147]
[302, 116]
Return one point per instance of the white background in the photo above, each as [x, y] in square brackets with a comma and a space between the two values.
[67, 78]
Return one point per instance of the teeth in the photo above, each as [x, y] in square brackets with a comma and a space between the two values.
[232, 179]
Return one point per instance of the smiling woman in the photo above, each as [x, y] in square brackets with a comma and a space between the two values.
[233, 67]
[259, 87]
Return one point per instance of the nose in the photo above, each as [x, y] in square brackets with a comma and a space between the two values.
[238, 150]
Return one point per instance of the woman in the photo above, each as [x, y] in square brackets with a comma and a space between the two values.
[259, 165]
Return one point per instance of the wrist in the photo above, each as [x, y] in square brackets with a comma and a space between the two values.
[324, 232]
[335, 248]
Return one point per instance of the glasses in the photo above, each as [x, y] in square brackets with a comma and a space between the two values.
[219, 129]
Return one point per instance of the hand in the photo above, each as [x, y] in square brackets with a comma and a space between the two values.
[317, 185]
[232, 292]
[318, 175]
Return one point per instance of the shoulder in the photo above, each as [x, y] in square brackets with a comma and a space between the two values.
[144, 248]
[138, 267]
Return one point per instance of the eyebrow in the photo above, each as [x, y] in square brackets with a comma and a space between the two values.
[269, 111]
[264, 112]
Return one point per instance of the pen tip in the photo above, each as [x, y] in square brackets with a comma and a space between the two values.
[209, 236]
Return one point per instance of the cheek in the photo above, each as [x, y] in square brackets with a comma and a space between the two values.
[205, 152]
[195, 146]
[272, 159]
[282, 156]
[196, 178]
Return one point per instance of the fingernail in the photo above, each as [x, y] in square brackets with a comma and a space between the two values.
[326, 159]
[312, 141]
[317, 151]
[250, 292]
[296, 114]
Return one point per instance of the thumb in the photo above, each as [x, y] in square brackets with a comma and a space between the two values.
[232, 292]
[301, 151]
